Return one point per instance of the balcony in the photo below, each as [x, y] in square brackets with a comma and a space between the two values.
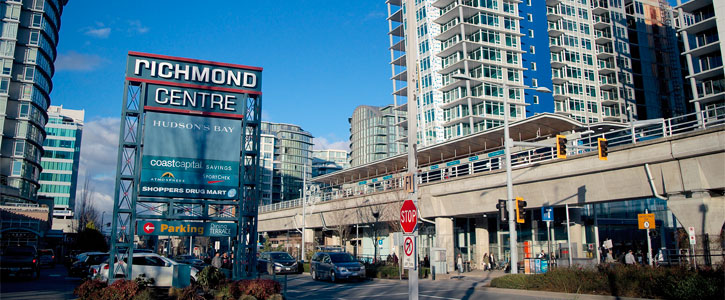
[400, 61]
[397, 16]
[603, 36]
[606, 66]
[552, 13]
[402, 92]
[608, 97]
[398, 31]
[599, 7]
[399, 46]
[711, 90]
[402, 76]
[554, 29]
[604, 52]
[556, 61]
[555, 44]
[602, 21]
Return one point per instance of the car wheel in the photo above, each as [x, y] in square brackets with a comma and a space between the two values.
[332, 276]
[314, 276]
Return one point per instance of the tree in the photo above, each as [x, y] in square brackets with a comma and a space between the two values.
[338, 217]
[85, 212]
[382, 217]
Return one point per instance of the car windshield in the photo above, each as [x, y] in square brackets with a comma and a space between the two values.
[280, 256]
[19, 251]
[97, 259]
[341, 257]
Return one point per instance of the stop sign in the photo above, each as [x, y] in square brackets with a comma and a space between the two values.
[408, 216]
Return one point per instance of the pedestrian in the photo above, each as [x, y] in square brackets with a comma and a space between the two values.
[491, 261]
[395, 259]
[460, 264]
[485, 261]
[226, 263]
[629, 258]
[426, 261]
[216, 261]
[541, 255]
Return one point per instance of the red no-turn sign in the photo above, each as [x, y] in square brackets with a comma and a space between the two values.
[408, 216]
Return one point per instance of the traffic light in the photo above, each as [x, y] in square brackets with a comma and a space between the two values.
[502, 212]
[520, 212]
[602, 147]
[561, 146]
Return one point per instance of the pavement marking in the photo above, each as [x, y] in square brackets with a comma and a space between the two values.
[373, 296]
[437, 297]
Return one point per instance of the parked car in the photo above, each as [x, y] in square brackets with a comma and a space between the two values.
[47, 257]
[277, 263]
[81, 268]
[191, 260]
[149, 265]
[20, 260]
[335, 266]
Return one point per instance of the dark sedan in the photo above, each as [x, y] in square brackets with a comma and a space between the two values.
[277, 263]
[81, 268]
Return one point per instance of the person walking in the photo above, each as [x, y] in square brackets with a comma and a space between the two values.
[460, 264]
[541, 255]
[216, 261]
[485, 261]
[491, 262]
[629, 258]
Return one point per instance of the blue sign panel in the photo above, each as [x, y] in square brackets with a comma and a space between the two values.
[190, 157]
[434, 167]
[496, 153]
[364, 182]
[387, 177]
[544, 266]
[181, 228]
[547, 213]
[453, 163]
[473, 158]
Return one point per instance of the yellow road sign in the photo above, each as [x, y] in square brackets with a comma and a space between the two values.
[646, 221]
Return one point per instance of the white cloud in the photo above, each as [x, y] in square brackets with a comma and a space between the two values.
[74, 61]
[98, 161]
[135, 26]
[99, 31]
[321, 143]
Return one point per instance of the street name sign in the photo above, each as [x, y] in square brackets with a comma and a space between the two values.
[408, 216]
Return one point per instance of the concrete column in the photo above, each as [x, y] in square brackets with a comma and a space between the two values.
[482, 241]
[444, 236]
[706, 214]
[577, 232]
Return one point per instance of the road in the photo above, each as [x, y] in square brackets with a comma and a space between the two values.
[303, 287]
[53, 284]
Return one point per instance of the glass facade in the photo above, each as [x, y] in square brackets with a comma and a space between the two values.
[328, 161]
[373, 134]
[28, 40]
[292, 159]
[61, 159]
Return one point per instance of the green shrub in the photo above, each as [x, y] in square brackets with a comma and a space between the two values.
[146, 294]
[247, 297]
[225, 292]
[210, 277]
[626, 281]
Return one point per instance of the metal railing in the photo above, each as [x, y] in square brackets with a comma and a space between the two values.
[489, 161]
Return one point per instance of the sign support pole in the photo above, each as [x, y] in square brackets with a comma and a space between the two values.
[649, 244]
[412, 116]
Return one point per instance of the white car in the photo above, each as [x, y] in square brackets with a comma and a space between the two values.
[149, 265]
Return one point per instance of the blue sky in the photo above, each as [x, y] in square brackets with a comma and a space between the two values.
[321, 59]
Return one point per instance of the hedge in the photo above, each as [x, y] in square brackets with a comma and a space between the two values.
[625, 281]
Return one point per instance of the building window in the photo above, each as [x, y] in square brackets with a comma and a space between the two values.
[532, 49]
[536, 99]
[4, 84]
[17, 168]
[37, 20]
[23, 110]
[29, 73]
[533, 66]
[534, 82]
[34, 38]
[529, 17]
[7, 66]
[19, 147]
[531, 33]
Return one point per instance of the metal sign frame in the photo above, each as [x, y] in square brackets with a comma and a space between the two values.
[129, 207]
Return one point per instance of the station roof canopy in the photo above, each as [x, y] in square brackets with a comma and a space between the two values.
[538, 127]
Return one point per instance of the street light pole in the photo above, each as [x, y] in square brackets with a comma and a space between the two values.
[510, 204]
[304, 211]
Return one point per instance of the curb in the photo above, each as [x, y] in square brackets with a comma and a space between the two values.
[555, 294]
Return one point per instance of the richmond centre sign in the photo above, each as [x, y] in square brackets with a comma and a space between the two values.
[194, 139]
